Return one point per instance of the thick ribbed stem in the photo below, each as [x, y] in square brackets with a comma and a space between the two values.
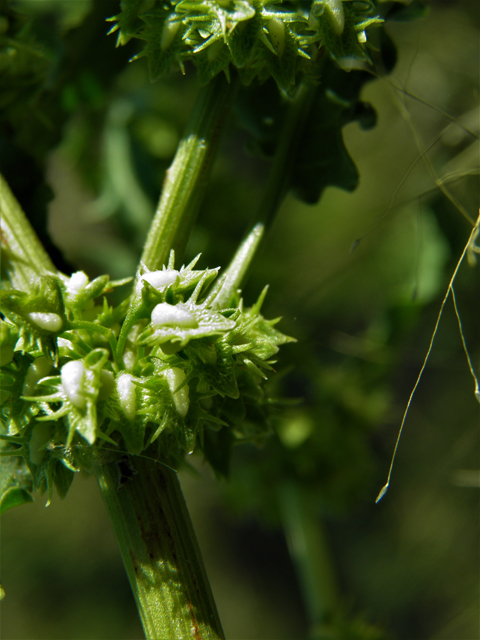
[160, 552]
[187, 177]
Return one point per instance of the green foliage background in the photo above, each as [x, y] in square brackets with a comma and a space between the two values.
[363, 321]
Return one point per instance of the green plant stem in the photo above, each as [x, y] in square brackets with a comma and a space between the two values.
[23, 255]
[278, 182]
[160, 552]
[310, 554]
[187, 178]
[232, 279]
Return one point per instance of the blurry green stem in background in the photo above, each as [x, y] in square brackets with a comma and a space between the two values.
[286, 153]
[160, 551]
[311, 557]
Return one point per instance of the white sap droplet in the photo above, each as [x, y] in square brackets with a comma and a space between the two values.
[40, 368]
[77, 283]
[165, 314]
[126, 393]
[160, 279]
[175, 377]
[72, 375]
[47, 321]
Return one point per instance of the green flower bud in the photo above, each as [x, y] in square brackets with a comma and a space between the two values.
[276, 29]
[39, 369]
[176, 378]
[168, 34]
[41, 434]
[107, 384]
[335, 10]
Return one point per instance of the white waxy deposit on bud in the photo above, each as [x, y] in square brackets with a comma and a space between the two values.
[175, 377]
[46, 320]
[40, 368]
[126, 393]
[72, 376]
[170, 315]
[63, 343]
[160, 279]
[77, 283]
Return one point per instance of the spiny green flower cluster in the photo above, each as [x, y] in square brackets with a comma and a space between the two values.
[260, 38]
[162, 373]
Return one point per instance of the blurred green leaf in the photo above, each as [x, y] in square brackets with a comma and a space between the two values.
[15, 482]
[323, 159]
[14, 497]
[400, 12]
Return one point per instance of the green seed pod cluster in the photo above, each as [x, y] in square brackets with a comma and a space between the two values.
[259, 38]
[163, 374]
